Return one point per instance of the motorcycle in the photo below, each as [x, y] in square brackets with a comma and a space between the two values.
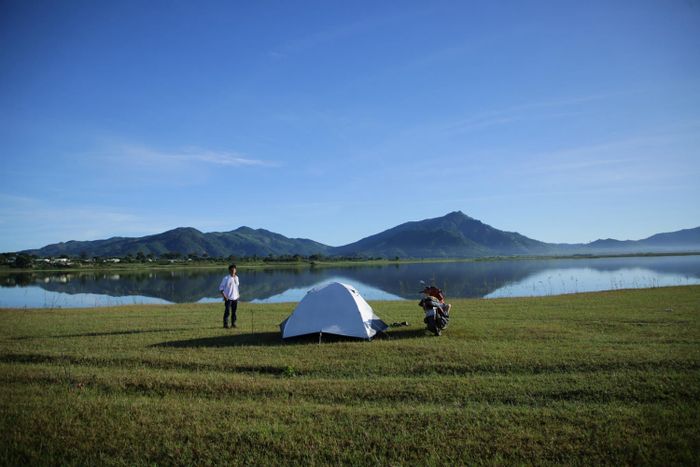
[437, 312]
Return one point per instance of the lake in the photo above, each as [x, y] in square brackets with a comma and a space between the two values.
[487, 279]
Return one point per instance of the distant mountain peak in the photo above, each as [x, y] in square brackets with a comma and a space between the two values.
[249, 230]
[181, 230]
[458, 216]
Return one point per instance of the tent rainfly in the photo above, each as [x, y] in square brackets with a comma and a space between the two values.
[333, 308]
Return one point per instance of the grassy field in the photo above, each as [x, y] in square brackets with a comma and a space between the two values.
[603, 378]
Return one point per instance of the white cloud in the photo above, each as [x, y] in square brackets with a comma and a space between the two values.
[342, 31]
[32, 223]
[28, 223]
[521, 112]
[190, 155]
[650, 163]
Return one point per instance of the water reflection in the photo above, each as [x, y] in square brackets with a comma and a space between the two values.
[462, 279]
[575, 280]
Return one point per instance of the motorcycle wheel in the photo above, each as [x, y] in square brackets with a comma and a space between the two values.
[432, 326]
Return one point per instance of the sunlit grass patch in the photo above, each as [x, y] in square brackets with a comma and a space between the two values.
[608, 377]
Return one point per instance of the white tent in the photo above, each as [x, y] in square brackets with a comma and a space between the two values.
[333, 308]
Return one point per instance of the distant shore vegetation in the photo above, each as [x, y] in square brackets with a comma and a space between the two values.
[30, 262]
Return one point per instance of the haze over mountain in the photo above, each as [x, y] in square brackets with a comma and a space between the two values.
[454, 235]
[681, 240]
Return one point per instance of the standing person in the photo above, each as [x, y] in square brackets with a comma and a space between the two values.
[229, 290]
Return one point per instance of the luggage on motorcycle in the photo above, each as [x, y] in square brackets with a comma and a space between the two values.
[435, 292]
[429, 302]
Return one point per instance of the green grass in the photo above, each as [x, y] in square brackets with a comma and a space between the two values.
[603, 378]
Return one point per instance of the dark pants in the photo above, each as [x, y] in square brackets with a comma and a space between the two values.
[231, 306]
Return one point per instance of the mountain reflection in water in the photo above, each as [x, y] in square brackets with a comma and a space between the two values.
[388, 282]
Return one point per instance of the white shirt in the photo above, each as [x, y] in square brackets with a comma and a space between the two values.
[229, 286]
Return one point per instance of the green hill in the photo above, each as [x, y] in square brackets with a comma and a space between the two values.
[243, 241]
[454, 235]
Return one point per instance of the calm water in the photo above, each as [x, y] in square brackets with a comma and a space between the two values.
[488, 279]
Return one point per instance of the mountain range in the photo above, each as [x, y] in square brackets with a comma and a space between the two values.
[454, 235]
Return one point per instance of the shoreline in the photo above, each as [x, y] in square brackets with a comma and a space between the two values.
[326, 264]
[374, 303]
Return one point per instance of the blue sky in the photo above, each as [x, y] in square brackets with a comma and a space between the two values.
[565, 121]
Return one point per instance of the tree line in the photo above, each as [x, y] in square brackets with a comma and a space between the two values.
[33, 261]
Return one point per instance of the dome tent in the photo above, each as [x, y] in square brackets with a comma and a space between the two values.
[333, 308]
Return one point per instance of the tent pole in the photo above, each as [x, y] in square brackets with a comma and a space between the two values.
[320, 335]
